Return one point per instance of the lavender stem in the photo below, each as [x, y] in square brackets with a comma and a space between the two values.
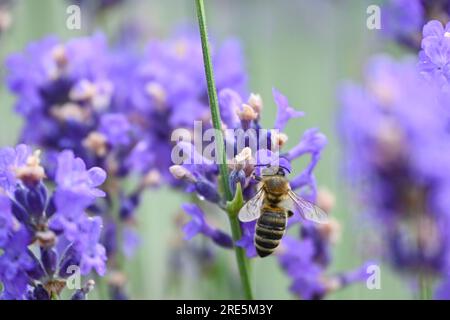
[220, 148]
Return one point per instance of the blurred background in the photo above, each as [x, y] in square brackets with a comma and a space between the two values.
[303, 48]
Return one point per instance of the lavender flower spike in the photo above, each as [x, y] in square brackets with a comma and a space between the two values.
[43, 235]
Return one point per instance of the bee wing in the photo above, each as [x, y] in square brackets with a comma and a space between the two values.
[252, 209]
[308, 210]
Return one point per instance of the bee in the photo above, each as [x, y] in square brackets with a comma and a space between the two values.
[272, 205]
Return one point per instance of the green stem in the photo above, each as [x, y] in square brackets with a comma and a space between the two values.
[220, 147]
[425, 287]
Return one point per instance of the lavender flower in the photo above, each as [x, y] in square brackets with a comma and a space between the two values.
[168, 91]
[70, 102]
[402, 20]
[198, 225]
[434, 57]
[115, 109]
[312, 256]
[395, 132]
[55, 225]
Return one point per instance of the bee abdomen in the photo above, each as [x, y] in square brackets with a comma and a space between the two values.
[270, 229]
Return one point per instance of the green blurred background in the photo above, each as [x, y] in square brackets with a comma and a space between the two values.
[303, 48]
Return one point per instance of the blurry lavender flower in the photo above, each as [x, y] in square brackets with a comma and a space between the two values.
[115, 109]
[434, 58]
[308, 254]
[198, 225]
[81, 294]
[395, 133]
[66, 95]
[168, 91]
[54, 225]
[402, 20]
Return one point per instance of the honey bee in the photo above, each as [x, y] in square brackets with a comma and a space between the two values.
[272, 205]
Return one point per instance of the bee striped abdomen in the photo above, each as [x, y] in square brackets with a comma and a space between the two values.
[270, 228]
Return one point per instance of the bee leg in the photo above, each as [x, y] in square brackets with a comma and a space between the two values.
[290, 213]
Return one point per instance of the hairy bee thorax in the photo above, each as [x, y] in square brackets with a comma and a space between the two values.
[276, 189]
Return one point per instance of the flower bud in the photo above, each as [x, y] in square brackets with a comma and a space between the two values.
[97, 143]
[70, 111]
[36, 200]
[157, 93]
[59, 55]
[32, 173]
[128, 206]
[46, 239]
[40, 293]
[326, 200]
[237, 176]
[180, 172]
[49, 260]
[222, 239]
[81, 294]
[207, 191]
[247, 114]
[152, 179]
[255, 101]
[82, 91]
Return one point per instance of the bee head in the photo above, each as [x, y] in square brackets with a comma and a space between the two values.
[282, 171]
[272, 170]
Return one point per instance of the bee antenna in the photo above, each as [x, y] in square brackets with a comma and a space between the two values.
[284, 168]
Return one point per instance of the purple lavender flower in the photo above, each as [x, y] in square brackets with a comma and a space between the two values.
[116, 129]
[402, 20]
[93, 253]
[115, 109]
[10, 160]
[56, 225]
[15, 262]
[6, 220]
[72, 175]
[285, 112]
[395, 132]
[198, 225]
[434, 57]
[306, 259]
[168, 91]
